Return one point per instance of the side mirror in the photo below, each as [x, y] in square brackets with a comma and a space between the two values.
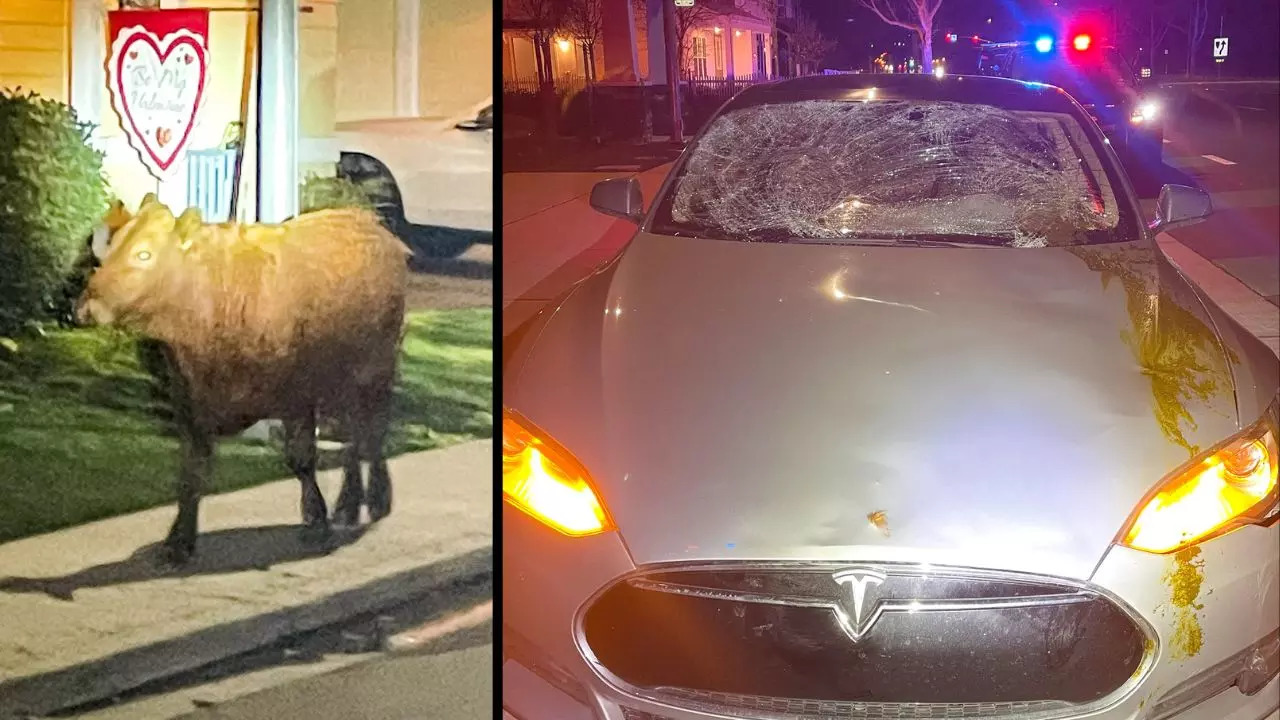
[1179, 205]
[619, 197]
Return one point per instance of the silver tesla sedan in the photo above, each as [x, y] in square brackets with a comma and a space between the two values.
[892, 408]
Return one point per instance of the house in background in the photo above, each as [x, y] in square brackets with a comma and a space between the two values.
[723, 39]
[356, 59]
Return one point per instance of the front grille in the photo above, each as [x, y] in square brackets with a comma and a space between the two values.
[790, 641]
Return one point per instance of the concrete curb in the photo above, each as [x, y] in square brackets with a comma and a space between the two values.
[46, 693]
[1251, 310]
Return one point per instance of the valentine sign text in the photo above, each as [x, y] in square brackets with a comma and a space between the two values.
[157, 71]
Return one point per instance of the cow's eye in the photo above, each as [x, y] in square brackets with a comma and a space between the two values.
[143, 255]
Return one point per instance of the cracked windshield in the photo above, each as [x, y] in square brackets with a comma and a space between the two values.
[872, 359]
[246, 359]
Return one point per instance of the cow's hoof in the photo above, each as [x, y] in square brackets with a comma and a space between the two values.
[379, 508]
[316, 530]
[346, 515]
[175, 554]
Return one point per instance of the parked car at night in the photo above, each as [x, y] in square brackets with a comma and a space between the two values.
[429, 172]
[1097, 75]
[892, 407]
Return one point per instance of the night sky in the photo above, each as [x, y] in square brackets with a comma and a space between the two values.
[1253, 27]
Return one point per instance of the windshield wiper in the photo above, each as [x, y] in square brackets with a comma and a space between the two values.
[954, 241]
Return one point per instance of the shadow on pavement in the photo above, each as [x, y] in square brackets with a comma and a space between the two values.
[452, 267]
[218, 552]
[438, 241]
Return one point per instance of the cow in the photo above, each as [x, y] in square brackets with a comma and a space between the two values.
[295, 321]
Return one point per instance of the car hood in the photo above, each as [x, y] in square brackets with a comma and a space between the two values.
[986, 407]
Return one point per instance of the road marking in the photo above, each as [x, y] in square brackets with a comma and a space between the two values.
[1167, 141]
[435, 629]
[1250, 107]
[1215, 158]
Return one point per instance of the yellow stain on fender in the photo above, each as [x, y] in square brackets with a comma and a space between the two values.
[1175, 349]
[1185, 578]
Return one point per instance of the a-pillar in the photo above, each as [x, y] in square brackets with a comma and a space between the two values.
[618, 37]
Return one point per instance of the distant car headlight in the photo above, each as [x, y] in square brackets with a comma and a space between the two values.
[1228, 487]
[545, 480]
[1145, 112]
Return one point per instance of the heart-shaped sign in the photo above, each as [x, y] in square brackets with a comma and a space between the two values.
[157, 85]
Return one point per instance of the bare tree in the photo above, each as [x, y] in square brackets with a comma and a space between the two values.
[1149, 22]
[541, 20]
[808, 44]
[584, 19]
[914, 15]
[1197, 19]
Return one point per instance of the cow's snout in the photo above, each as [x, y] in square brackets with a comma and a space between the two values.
[88, 311]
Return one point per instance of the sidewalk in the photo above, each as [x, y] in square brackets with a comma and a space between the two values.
[85, 614]
[551, 238]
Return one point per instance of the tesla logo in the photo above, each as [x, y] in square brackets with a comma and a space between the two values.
[858, 581]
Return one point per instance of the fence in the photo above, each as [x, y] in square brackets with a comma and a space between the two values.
[210, 175]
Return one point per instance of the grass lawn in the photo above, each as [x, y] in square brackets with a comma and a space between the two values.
[80, 437]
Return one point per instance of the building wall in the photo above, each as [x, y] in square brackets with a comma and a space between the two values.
[456, 57]
[366, 47]
[317, 87]
[35, 46]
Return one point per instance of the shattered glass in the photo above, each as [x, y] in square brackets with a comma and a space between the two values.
[896, 169]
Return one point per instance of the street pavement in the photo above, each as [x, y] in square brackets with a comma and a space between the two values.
[455, 685]
[442, 668]
[1226, 139]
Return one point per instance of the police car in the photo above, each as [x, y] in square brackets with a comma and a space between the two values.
[1095, 74]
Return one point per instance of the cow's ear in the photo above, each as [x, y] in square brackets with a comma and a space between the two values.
[189, 222]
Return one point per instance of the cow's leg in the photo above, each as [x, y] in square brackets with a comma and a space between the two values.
[196, 443]
[373, 439]
[346, 513]
[300, 452]
[197, 461]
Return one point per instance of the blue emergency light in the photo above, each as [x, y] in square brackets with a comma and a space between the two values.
[1044, 44]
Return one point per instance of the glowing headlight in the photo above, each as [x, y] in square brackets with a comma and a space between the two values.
[1146, 112]
[1229, 487]
[546, 481]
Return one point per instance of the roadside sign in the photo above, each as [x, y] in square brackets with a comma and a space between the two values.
[684, 3]
[1219, 47]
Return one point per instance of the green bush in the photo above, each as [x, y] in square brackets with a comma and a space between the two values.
[321, 193]
[52, 194]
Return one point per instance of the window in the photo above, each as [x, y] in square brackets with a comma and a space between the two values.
[699, 65]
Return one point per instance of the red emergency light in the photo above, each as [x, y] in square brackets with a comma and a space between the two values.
[1081, 42]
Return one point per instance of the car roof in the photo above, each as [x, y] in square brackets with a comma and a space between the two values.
[998, 91]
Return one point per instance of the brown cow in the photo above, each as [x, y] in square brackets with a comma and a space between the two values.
[265, 321]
